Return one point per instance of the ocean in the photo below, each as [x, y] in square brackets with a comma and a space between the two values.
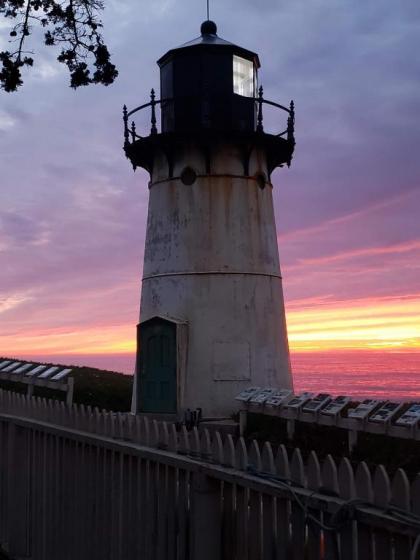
[386, 375]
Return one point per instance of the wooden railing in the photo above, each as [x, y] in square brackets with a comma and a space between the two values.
[79, 483]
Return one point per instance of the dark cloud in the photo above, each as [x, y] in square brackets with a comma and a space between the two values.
[17, 229]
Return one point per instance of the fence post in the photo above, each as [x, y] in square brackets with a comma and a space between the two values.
[206, 522]
[70, 390]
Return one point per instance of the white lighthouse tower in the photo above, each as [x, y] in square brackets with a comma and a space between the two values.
[212, 318]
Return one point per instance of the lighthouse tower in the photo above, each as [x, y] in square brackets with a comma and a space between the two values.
[212, 318]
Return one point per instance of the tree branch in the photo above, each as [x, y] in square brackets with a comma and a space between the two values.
[74, 25]
[25, 30]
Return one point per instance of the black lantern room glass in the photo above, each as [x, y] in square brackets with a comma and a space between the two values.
[208, 84]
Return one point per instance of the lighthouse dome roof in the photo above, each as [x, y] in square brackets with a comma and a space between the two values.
[209, 40]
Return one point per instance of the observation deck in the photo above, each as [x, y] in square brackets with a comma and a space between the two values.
[205, 128]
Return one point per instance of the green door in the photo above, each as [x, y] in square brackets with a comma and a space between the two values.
[157, 386]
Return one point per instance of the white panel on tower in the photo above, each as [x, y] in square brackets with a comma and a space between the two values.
[227, 356]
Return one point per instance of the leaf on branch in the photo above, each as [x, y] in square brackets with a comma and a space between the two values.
[80, 75]
[48, 38]
[10, 74]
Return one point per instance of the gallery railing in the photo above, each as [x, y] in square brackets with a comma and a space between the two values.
[131, 134]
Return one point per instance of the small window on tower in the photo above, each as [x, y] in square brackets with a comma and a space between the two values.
[243, 76]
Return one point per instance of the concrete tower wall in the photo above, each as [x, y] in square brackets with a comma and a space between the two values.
[211, 260]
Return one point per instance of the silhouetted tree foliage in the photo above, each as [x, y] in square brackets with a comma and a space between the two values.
[73, 25]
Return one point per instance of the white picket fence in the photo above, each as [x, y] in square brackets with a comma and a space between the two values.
[78, 483]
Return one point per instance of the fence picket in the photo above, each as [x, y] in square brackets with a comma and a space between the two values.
[347, 491]
[138, 425]
[400, 498]
[151, 503]
[172, 484]
[254, 456]
[184, 442]
[242, 503]
[267, 459]
[297, 518]
[364, 492]
[241, 454]
[83, 420]
[382, 496]
[119, 425]
[282, 463]
[329, 477]
[228, 520]
[195, 442]
[255, 526]
[172, 439]
[217, 449]
[143, 492]
[229, 456]
[255, 505]
[163, 439]
[106, 422]
[268, 505]
[161, 494]
[183, 506]
[96, 415]
[283, 506]
[313, 474]
[205, 445]
[129, 432]
[145, 437]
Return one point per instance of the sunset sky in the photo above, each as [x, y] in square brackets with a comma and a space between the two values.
[73, 213]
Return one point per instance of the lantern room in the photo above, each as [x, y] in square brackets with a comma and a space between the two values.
[208, 84]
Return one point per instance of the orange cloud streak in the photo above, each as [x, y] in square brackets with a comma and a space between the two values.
[370, 323]
[313, 324]
[91, 340]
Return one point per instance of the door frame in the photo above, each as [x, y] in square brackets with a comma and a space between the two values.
[181, 335]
